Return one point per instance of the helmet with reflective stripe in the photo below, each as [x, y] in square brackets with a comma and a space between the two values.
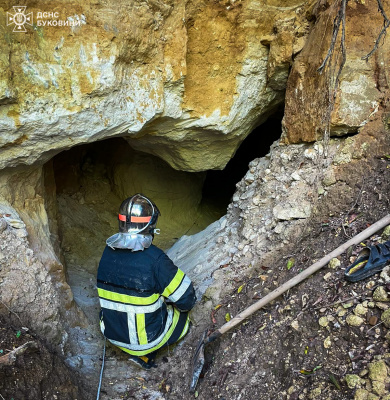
[138, 214]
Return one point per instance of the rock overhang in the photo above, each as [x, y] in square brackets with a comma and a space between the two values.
[160, 75]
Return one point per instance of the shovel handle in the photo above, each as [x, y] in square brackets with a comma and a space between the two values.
[300, 277]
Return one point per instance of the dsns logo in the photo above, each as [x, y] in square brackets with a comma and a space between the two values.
[19, 18]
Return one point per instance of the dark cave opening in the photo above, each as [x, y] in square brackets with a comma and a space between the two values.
[219, 185]
[92, 180]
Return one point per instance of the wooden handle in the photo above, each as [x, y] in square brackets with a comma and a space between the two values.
[304, 274]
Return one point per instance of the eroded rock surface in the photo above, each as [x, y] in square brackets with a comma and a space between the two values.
[184, 81]
[361, 82]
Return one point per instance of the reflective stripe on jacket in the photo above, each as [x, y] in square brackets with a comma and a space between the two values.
[132, 287]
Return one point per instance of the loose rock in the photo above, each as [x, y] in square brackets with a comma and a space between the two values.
[379, 388]
[354, 381]
[334, 263]
[373, 320]
[377, 371]
[385, 318]
[380, 294]
[327, 343]
[360, 310]
[323, 321]
[361, 394]
[354, 320]
[386, 233]
[3, 225]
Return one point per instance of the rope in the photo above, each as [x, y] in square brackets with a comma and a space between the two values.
[101, 371]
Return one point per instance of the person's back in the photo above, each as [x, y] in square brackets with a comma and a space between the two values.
[134, 279]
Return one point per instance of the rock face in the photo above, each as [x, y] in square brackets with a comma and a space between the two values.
[184, 81]
[361, 82]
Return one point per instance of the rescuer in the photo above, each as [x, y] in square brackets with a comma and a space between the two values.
[144, 297]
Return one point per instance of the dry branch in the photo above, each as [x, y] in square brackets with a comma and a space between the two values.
[10, 358]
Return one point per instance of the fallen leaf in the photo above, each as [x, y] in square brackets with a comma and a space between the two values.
[334, 381]
[239, 290]
[228, 317]
[310, 371]
[217, 307]
[290, 263]
[262, 327]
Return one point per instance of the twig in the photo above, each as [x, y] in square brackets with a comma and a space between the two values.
[342, 301]
[358, 196]
[13, 312]
[345, 233]
[386, 24]
[10, 358]
[379, 323]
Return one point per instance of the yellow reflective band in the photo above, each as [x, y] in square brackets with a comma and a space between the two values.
[141, 331]
[126, 299]
[176, 315]
[186, 327]
[175, 283]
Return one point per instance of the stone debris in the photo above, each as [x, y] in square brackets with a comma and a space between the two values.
[3, 225]
[380, 294]
[386, 233]
[385, 274]
[354, 320]
[295, 325]
[328, 343]
[385, 318]
[354, 381]
[323, 321]
[334, 263]
[373, 320]
[360, 310]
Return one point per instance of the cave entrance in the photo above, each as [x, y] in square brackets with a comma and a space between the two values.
[220, 185]
[92, 180]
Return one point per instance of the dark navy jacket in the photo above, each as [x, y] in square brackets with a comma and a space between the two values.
[132, 288]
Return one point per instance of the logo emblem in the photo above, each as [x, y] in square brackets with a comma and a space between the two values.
[19, 18]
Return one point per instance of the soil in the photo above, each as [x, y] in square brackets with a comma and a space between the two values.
[37, 373]
[283, 351]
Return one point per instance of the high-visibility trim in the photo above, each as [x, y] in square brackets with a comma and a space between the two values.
[122, 217]
[141, 329]
[129, 308]
[140, 219]
[124, 298]
[132, 327]
[185, 329]
[184, 285]
[102, 326]
[141, 352]
[174, 284]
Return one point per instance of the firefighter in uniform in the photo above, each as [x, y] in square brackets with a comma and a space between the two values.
[144, 297]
